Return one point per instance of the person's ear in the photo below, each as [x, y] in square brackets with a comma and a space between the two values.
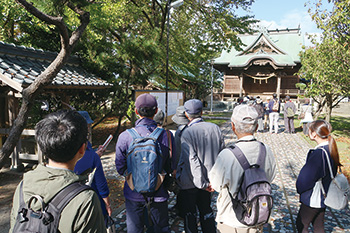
[137, 112]
[82, 150]
[233, 126]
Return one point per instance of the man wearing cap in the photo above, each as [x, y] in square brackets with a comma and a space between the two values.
[145, 108]
[90, 161]
[289, 112]
[227, 171]
[201, 143]
[274, 113]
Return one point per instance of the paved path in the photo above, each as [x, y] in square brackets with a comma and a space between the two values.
[290, 151]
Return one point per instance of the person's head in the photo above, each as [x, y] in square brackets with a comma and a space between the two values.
[319, 131]
[89, 122]
[274, 95]
[193, 108]
[61, 134]
[180, 117]
[146, 105]
[159, 117]
[244, 120]
[287, 98]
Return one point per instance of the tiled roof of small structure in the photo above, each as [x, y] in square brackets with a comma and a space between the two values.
[23, 65]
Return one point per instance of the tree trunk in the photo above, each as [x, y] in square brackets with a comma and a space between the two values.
[329, 107]
[46, 77]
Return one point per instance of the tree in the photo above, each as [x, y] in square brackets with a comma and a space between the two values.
[327, 65]
[55, 16]
[324, 66]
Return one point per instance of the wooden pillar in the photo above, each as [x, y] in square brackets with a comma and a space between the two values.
[240, 85]
[278, 89]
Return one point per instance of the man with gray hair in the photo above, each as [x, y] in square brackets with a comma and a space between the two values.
[201, 143]
[227, 173]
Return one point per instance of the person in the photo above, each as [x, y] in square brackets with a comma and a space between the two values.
[159, 117]
[227, 171]
[181, 121]
[289, 120]
[274, 110]
[266, 115]
[259, 107]
[201, 142]
[90, 161]
[145, 107]
[306, 115]
[315, 171]
[62, 137]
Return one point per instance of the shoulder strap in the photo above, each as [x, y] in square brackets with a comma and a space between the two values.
[243, 160]
[329, 163]
[63, 197]
[156, 133]
[262, 155]
[169, 143]
[134, 134]
[21, 199]
[240, 157]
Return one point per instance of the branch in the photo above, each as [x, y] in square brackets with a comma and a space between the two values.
[57, 21]
[145, 14]
[84, 21]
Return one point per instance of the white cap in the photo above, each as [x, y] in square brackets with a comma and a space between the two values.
[244, 114]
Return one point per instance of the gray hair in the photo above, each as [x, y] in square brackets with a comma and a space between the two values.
[194, 116]
[245, 128]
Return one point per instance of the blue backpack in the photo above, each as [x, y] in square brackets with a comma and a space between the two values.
[144, 162]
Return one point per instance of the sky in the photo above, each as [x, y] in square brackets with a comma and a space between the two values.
[282, 14]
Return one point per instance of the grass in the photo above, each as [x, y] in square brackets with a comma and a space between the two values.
[219, 114]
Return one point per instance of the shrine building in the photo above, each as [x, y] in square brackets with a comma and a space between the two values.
[267, 64]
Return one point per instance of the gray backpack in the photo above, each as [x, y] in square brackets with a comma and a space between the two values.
[47, 219]
[253, 203]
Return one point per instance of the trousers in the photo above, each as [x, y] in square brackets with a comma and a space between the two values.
[309, 215]
[201, 199]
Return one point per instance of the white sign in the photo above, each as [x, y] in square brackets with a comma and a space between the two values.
[173, 101]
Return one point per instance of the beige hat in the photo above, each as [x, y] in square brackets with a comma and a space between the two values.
[244, 114]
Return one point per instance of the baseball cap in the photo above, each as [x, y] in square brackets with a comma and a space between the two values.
[193, 106]
[244, 114]
[146, 101]
[86, 115]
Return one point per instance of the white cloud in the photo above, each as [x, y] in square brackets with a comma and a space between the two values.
[293, 19]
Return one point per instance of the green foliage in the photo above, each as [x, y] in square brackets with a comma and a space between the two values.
[125, 41]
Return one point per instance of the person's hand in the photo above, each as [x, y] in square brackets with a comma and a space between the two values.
[209, 189]
[174, 173]
[109, 210]
[100, 150]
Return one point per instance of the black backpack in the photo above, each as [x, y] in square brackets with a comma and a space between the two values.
[47, 219]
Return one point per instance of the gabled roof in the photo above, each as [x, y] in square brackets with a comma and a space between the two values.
[282, 47]
[19, 66]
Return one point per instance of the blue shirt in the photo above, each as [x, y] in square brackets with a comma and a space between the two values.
[99, 183]
[144, 127]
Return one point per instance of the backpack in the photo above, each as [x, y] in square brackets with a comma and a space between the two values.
[290, 112]
[253, 203]
[144, 162]
[47, 219]
[276, 105]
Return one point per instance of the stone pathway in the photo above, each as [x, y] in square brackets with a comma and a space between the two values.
[290, 152]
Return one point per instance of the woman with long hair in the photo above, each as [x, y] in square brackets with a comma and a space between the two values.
[315, 173]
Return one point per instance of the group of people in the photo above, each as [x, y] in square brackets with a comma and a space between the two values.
[269, 113]
[196, 156]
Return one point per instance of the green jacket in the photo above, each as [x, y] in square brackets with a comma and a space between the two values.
[82, 214]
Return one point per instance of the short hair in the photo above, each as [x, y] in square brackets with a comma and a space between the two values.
[61, 134]
[194, 116]
[244, 127]
[147, 111]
